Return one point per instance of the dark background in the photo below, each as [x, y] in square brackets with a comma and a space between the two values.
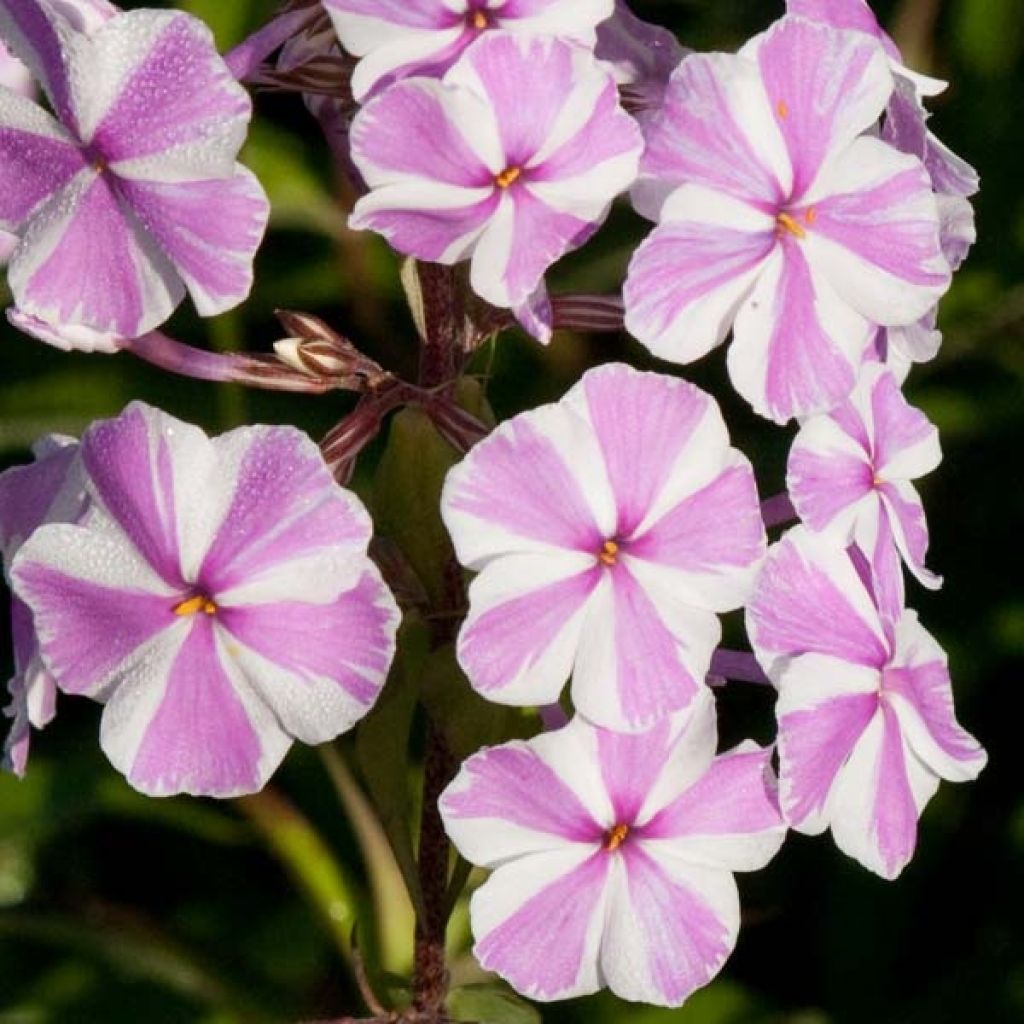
[117, 908]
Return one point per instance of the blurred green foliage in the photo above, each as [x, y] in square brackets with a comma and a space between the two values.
[115, 908]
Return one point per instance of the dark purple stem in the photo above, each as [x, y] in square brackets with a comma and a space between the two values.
[247, 56]
[256, 371]
[739, 666]
[778, 511]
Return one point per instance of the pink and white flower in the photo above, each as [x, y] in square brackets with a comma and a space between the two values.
[217, 599]
[49, 490]
[865, 710]
[850, 471]
[512, 160]
[131, 195]
[778, 217]
[608, 530]
[613, 855]
[401, 38]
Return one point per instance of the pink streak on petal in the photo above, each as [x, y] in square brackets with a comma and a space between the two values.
[32, 168]
[630, 765]
[851, 14]
[607, 133]
[410, 13]
[200, 740]
[642, 423]
[285, 506]
[687, 941]
[540, 236]
[818, 74]
[86, 630]
[814, 745]
[132, 475]
[863, 222]
[348, 641]
[429, 234]
[927, 687]
[823, 484]
[30, 35]
[517, 480]
[526, 81]
[895, 812]
[898, 425]
[27, 494]
[180, 93]
[681, 265]
[407, 131]
[850, 423]
[716, 529]
[908, 511]
[797, 608]
[512, 783]
[697, 139]
[736, 796]
[540, 947]
[805, 368]
[649, 676]
[496, 647]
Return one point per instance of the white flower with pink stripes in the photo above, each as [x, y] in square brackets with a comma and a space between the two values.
[398, 39]
[217, 599]
[130, 195]
[778, 217]
[850, 471]
[608, 530]
[865, 709]
[512, 160]
[613, 855]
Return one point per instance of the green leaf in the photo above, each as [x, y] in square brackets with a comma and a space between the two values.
[407, 497]
[488, 1004]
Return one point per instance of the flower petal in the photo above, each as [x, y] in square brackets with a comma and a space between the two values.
[670, 927]
[876, 233]
[84, 261]
[689, 277]
[37, 158]
[538, 921]
[796, 343]
[185, 725]
[210, 230]
[825, 87]
[318, 667]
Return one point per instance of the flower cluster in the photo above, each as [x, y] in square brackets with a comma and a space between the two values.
[217, 596]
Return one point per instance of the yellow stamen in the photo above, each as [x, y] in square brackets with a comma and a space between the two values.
[782, 107]
[199, 603]
[609, 553]
[480, 21]
[810, 215]
[507, 176]
[616, 837]
[787, 222]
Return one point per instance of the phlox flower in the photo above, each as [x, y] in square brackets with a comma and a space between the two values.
[49, 490]
[400, 38]
[217, 599]
[131, 194]
[865, 709]
[850, 471]
[778, 217]
[511, 160]
[608, 529]
[613, 855]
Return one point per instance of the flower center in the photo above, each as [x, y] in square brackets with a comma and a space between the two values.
[615, 837]
[791, 223]
[507, 177]
[478, 19]
[192, 605]
[609, 553]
